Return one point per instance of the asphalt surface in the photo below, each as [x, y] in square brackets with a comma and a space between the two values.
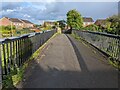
[69, 63]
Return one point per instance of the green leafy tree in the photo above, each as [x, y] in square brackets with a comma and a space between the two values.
[56, 24]
[7, 29]
[74, 19]
[114, 24]
[91, 27]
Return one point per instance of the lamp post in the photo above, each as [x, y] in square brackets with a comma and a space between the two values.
[11, 30]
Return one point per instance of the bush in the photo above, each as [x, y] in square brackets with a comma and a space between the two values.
[114, 27]
[92, 27]
[6, 29]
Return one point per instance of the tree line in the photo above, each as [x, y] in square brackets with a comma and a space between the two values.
[110, 25]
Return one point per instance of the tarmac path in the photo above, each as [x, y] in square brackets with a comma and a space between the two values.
[69, 63]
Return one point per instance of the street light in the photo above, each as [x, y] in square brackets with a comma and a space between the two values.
[11, 30]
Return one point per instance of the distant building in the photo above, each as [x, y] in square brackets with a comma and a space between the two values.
[87, 21]
[48, 23]
[100, 22]
[35, 29]
[5, 21]
[18, 23]
[27, 24]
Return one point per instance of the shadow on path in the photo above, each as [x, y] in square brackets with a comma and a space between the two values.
[52, 77]
[78, 54]
[61, 72]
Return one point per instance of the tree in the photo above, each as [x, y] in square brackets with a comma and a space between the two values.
[114, 24]
[91, 27]
[74, 19]
[37, 26]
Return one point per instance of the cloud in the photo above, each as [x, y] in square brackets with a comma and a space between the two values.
[26, 16]
[39, 11]
[50, 1]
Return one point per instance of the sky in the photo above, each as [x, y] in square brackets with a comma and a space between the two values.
[38, 12]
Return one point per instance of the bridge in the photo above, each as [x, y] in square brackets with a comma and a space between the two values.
[53, 60]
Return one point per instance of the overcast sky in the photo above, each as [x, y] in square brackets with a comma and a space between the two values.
[37, 12]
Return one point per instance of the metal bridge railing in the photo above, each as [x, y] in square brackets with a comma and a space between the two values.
[15, 51]
[108, 43]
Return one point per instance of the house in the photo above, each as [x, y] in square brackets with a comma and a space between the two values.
[27, 24]
[18, 23]
[5, 21]
[34, 29]
[48, 23]
[100, 22]
[87, 21]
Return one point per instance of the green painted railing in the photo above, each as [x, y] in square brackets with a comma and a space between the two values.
[108, 43]
[15, 51]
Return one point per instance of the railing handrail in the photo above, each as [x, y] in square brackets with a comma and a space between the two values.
[101, 33]
[15, 51]
[3, 40]
[107, 43]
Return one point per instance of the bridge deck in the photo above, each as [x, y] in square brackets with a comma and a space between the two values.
[68, 63]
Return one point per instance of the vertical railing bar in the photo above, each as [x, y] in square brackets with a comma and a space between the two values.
[8, 60]
[0, 67]
[11, 57]
[18, 52]
[4, 60]
[21, 51]
[14, 53]
[16, 60]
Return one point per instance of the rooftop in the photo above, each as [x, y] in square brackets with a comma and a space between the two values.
[18, 20]
[87, 19]
[15, 20]
[99, 21]
[26, 21]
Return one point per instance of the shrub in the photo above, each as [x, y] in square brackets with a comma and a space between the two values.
[91, 27]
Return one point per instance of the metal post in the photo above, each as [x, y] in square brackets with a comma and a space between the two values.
[11, 30]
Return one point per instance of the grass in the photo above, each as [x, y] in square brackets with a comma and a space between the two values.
[114, 63]
[17, 75]
[79, 39]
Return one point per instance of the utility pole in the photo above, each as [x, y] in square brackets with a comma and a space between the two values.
[11, 30]
[1, 34]
[1, 28]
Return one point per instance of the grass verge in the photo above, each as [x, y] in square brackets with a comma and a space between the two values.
[114, 63]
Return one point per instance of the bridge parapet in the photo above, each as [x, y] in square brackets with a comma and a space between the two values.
[108, 43]
[14, 51]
